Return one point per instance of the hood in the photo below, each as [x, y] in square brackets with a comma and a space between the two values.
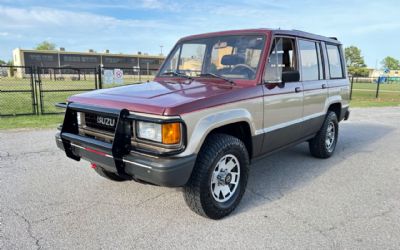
[159, 97]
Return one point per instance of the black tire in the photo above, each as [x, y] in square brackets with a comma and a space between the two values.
[197, 192]
[318, 146]
[108, 175]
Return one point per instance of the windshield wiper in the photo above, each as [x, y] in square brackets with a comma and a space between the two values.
[219, 76]
[176, 73]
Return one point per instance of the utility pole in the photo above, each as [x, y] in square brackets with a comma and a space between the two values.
[161, 46]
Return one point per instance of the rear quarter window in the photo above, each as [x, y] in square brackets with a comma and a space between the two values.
[335, 62]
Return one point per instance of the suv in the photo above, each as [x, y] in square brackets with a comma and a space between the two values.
[219, 101]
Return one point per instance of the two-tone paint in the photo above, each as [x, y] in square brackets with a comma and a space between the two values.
[275, 116]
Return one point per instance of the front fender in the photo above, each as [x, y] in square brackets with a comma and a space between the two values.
[200, 124]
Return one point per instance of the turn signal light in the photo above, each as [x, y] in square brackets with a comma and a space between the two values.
[171, 133]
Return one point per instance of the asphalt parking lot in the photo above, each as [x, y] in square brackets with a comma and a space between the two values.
[293, 201]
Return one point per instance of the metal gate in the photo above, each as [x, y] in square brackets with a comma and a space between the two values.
[57, 84]
[17, 91]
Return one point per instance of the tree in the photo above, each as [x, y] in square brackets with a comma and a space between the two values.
[391, 63]
[355, 62]
[353, 57]
[2, 62]
[45, 45]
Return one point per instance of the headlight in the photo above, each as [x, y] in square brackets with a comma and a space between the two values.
[167, 133]
[149, 131]
[78, 117]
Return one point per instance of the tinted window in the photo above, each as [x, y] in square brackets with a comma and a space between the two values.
[282, 58]
[309, 60]
[335, 63]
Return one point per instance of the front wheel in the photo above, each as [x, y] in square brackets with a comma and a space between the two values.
[324, 143]
[219, 178]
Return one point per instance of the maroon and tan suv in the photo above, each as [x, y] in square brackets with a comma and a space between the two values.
[219, 101]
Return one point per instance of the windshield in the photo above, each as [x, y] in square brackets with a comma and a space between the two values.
[233, 57]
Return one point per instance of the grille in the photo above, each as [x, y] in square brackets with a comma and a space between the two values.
[91, 122]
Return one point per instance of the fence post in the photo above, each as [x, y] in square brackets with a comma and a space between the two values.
[377, 89]
[33, 86]
[95, 78]
[351, 89]
[99, 75]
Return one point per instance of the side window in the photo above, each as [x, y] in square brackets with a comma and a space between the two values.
[310, 69]
[282, 58]
[335, 62]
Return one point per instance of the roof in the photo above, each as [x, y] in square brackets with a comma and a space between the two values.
[88, 53]
[266, 31]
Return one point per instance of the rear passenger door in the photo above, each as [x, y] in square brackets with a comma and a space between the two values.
[312, 75]
[283, 103]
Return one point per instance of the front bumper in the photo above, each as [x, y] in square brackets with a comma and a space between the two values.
[117, 157]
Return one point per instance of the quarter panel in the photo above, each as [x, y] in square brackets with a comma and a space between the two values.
[338, 92]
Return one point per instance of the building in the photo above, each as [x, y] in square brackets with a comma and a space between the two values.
[85, 60]
[380, 72]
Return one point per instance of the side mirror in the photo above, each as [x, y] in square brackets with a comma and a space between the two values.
[291, 76]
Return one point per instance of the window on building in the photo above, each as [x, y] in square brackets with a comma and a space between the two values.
[335, 62]
[35, 58]
[114, 60]
[48, 58]
[89, 59]
[68, 58]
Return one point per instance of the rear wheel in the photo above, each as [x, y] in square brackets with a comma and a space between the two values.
[324, 143]
[219, 178]
[108, 175]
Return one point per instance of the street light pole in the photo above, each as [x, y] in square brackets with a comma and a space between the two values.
[161, 46]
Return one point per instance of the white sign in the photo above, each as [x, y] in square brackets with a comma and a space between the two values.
[108, 76]
[118, 76]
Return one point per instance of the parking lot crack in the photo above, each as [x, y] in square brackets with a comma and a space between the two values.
[65, 213]
[28, 228]
[7, 155]
[150, 199]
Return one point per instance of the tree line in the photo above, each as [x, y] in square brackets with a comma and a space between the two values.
[357, 67]
[354, 60]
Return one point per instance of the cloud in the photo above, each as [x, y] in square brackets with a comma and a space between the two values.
[132, 25]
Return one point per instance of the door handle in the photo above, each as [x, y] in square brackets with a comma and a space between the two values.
[323, 86]
[297, 89]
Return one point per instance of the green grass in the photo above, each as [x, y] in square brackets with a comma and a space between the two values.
[364, 95]
[12, 103]
[31, 121]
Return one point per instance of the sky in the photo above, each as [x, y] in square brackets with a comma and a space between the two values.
[129, 26]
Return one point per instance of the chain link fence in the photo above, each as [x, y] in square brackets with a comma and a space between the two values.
[57, 84]
[377, 90]
[36, 90]
[17, 91]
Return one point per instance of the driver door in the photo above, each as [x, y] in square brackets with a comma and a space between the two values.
[283, 101]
